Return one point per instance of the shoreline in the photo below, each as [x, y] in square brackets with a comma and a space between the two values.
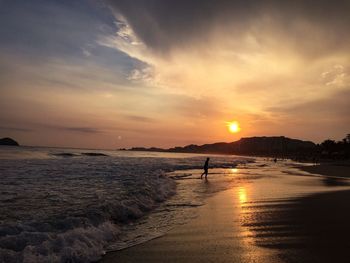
[329, 169]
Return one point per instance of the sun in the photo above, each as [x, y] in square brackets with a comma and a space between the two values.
[233, 126]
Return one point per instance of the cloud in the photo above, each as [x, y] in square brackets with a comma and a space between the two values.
[251, 52]
[335, 76]
[164, 24]
[196, 47]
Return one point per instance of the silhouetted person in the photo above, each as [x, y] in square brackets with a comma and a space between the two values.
[206, 167]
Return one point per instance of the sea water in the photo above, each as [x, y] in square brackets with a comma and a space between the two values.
[73, 205]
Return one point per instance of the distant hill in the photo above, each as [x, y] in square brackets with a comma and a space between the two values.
[8, 141]
[263, 146]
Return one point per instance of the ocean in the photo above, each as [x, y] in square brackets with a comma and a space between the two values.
[74, 205]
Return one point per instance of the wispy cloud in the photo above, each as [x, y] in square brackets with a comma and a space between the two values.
[17, 129]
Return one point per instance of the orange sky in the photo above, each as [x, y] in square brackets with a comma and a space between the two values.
[117, 74]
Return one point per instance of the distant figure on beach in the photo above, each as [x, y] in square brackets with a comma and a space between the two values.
[206, 167]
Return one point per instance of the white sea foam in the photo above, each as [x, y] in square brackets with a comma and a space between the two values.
[58, 207]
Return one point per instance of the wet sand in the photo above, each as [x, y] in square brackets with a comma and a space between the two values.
[311, 229]
[232, 228]
[216, 235]
[314, 228]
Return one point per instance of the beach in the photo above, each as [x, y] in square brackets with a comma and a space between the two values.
[252, 223]
[76, 205]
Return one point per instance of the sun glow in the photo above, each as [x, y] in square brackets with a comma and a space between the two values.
[233, 126]
[234, 170]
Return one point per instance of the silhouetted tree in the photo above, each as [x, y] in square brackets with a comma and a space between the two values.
[329, 145]
[336, 150]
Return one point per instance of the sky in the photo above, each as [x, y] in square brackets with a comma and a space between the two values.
[120, 73]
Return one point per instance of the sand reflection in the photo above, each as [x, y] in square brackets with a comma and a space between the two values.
[248, 212]
[242, 195]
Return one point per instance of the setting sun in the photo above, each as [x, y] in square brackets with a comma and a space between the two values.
[233, 126]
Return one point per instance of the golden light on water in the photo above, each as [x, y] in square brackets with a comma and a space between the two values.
[233, 126]
[242, 195]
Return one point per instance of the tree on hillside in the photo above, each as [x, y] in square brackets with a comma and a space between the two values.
[329, 145]
[347, 138]
[336, 150]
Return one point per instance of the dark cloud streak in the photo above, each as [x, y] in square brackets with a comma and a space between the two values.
[16, 129]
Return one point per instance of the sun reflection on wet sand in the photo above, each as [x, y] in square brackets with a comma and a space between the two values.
[246, 234]
[242, 195]
[251, 252]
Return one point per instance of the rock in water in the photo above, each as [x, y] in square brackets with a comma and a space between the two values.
[8, 141]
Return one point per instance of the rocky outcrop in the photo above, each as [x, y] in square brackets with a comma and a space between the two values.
[8, 141]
